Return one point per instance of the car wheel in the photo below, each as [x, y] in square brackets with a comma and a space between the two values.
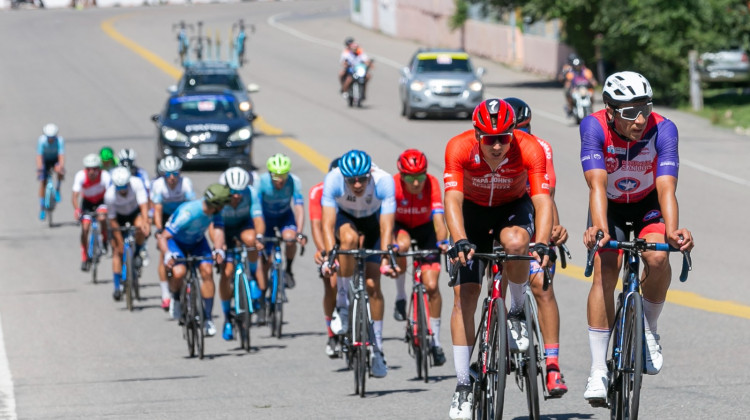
[408, 112]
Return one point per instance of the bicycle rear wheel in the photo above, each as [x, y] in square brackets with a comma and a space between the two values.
[244, 312]
[278, 313]
[200, 318]
[363, 319]
[628, 380]
[129, 276]
[424, 342]
[530, 371]
[49, 202]
[271, 305]
[93, 251]
[187, 312]
[497, 362]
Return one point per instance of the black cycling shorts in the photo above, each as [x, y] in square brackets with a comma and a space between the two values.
[640, 214]
[425, 236]
[369, 226]
[123, 219]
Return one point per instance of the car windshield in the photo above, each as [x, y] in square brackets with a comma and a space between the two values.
[453, 63]
[202, 107]
[229, 81]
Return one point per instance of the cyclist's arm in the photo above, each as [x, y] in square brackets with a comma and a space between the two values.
[299, 216]
[543, 208]
[217, 236]
[329, 226]
[665, 188]
[161, 241]
[454, 202]
[316, 228]
[597, 182]
[158, 215]
[386, 230]
[39, 162]
[260, 225]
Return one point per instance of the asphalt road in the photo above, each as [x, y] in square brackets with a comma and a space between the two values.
[74, 353]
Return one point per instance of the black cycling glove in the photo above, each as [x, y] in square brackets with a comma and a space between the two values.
[462, 245]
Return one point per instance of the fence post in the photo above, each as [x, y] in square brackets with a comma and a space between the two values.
[696, 94]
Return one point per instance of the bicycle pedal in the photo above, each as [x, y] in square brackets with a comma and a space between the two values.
[598, 403]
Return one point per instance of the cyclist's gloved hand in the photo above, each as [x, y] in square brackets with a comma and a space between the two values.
[219, 255]
[78, 213]
[542, 254]
[169, 258]
[462, 250]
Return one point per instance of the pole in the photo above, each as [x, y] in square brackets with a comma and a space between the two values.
[696, 94]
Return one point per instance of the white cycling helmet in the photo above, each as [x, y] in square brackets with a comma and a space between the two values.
[625, 87]
[120, 176]
[92, 161]
[50, 130]
[236, 178]
[170, 164]
[127, 154]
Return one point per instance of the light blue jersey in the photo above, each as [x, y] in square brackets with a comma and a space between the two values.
[50, 150]
[249, 207]
[188, 224]
[379, 195]
[278, 202]
[171, 199]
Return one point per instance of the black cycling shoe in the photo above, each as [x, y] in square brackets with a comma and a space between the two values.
[85, 265]
[289, 279]
[438, 357]
[116, 295]
[399, 311]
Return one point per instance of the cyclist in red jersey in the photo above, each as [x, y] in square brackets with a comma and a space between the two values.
[549, 315]
[329, 283]
[420, 216]
[486, 172]
[89, 186]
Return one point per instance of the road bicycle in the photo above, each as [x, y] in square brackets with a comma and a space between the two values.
[183, 41]
[359, 341]
[277, 283]
[238, 46]
[628, 348]
[494, 361]
[246, 294]
[191, 303]
[94, 245]
[199, 39]
[131, 269]
[419, 335]
[51, 195]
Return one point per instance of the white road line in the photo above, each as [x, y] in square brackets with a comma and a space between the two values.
[7, 396]
[273, 21]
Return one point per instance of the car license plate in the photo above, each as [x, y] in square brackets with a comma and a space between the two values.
[209, 149]
[449, 104]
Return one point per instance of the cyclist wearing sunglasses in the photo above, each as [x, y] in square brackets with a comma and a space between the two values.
[420, 216]
[486, 172]
[167, 193]
[630, 161]
[185, 234]
[127, 202]
[359, 197]
[329, 283]
[89, 186]
[283, 207]
[549, 314]
[243, 220]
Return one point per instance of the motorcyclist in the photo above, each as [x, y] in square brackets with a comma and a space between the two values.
[578, 75]
[350, 57]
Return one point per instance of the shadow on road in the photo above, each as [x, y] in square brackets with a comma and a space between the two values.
[393, 391]
[566, 416]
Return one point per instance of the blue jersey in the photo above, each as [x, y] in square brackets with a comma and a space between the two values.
[249, 207]
[50, 150]
[379, 195]
[277, 202]
[188, 224]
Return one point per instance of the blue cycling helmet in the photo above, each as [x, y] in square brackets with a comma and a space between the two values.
[355, 163]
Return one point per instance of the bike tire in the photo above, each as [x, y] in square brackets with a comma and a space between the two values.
[424, 342]
[364, 339]
[278, 313]
[244, 308]
[497, 362]
[530, 359]
[630, 378]
[94, 251]
[199, 319]
[187, 312]
[128, 277]
[355, 349]
[271, 305]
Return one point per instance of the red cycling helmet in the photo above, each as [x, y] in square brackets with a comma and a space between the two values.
[412, 161]
[494, 116]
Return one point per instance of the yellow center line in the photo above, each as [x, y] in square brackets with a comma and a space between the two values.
[679, 297]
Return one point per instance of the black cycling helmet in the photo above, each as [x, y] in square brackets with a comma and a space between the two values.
[571, 57]
[348, 41]
[522, 111]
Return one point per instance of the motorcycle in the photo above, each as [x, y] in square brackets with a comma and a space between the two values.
[582, 105]
[357, 87]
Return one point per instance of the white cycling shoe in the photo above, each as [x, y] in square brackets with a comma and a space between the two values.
[654, 359]
[379, 368]
[596, 388]
[518, 337]
[340, 321]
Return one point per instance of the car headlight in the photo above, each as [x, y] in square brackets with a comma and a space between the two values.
[170, 134]
[416, 86]
[475, 86]
[245, 106]
[242, 134]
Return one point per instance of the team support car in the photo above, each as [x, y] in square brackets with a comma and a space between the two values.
[730, 66]
[440, 82]
[203, 127]
[216, 75]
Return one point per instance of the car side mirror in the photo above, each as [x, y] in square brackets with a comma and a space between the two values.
[253, 88]
[405, 71]
[252, 117]
[481, 71]
[172, 89]
[155, 118]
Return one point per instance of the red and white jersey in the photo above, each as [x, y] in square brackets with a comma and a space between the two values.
[92, 191]
[414, 210]
[125, 204]
[316, 194]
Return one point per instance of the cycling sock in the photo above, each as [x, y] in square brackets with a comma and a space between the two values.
[225, 306]
[551, 352]
[41, 203]
[289, 265]
[377, 328]
[461, 355]
[516, 296]
[208, 307]
[342, 297]
[651, 312]
[116, 277]
[401, 286]
[598, 344]
[251, 267]
[164, 289]
[435, 326]
[84, 254]
[328, 327]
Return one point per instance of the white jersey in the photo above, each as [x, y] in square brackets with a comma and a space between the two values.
[353, 59]
[92, 191]
[127, 204]
[170, 199]
[379, 195]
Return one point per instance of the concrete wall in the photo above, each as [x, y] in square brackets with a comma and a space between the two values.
[5, 4]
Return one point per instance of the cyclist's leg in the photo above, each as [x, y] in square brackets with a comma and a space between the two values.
[654, 285]
[226, 278]
[85, 228]
[208, 288]
[403, 239]
[377, 307]
[514, 237]
[179, 271]
[549, 324]
[117, 250]
[289, 233]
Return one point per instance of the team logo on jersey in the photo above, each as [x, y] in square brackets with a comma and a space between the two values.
[404, 202]
[611, 149]
[368, 199]
[612, 164]
[653, 214]
[477, 159]
[627, 184]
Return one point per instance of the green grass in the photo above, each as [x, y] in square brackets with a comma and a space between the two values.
[725, 107]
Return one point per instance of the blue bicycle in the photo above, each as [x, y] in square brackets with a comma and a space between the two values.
[277, 284]
[131, 269]
[627, 341]
[51, 195]
[246, 295]
[95, 245]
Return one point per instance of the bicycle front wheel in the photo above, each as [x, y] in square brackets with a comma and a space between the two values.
[530, 371]
[497, 363]
[199, 318]
[189, 319]
[128, 278]
[93, 251]
[244, 311]
[424, 342]
[628, 380]
[278, 313]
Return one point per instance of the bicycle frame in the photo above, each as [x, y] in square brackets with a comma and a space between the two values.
[94, 245]
[243, 288]
[50, 191]
[191, 303]
[129, 270]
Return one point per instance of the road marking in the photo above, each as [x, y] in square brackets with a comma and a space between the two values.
[7, 395]
[715, 173]
[688, 299]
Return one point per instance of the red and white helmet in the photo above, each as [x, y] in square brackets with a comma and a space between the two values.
[412, 161]
[494, 116]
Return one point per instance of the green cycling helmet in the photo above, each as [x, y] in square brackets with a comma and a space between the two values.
[106, 153]
[217, 195]
[279, 164]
